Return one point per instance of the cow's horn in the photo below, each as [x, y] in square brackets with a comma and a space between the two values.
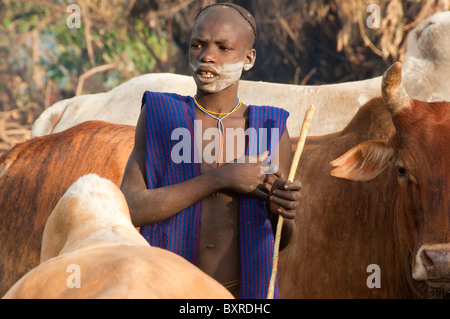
[394, 94]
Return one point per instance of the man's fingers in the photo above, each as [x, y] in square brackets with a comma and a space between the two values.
[284, 203]
[256, 158]
[289, 195]
[292, 186]
[270, 179]
[252, 159]
[262, 157]
[286, 195]
[260, 194]
[289, 214]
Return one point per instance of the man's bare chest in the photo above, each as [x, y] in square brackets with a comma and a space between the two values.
[219, 146]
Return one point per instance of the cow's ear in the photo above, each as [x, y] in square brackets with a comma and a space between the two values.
[364, 161]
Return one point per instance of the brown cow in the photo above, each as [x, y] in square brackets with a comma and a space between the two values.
[35, 174]
[90, 249]
[350, 232]
[419, 152]
[343, 227]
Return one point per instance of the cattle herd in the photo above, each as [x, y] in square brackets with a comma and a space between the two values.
[374, 220]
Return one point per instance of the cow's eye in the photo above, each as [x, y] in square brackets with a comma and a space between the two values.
[401, 171]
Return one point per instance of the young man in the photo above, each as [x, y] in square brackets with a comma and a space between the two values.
[217, 214]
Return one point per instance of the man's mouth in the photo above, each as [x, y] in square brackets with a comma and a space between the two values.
[206, 75]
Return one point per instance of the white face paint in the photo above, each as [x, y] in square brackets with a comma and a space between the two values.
[214, 79]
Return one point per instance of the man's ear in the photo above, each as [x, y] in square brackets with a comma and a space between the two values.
[250, 59]
[364, 161]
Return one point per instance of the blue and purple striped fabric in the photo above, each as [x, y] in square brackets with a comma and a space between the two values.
[180, 233]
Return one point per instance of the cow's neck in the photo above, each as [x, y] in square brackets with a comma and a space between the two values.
[113, 235]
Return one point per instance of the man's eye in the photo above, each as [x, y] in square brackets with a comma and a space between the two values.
[225, 48]
[195, 46]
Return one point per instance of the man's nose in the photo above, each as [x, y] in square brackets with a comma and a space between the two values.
[208, 55]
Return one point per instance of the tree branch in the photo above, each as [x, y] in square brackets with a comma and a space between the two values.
[87, 74]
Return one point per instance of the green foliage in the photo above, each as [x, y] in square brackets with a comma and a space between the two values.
[63, 51]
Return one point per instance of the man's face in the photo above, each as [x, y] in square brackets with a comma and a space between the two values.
[219, 49]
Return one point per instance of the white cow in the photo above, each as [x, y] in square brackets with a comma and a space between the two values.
[425, 77]
[90, 249]
[426, 71]
[337, 102]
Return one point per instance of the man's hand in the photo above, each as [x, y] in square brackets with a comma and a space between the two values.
[246, 175]
[285, 197]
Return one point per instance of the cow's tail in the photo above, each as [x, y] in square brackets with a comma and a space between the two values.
[48, 119]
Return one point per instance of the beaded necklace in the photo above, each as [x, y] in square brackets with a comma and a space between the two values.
[220, 125]
[212, 114]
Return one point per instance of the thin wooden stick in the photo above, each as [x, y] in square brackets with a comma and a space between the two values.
[298, 152]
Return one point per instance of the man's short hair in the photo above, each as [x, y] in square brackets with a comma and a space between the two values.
[243, 12]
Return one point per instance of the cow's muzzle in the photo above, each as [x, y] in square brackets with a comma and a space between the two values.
[432, 264]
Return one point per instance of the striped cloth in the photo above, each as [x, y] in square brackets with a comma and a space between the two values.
[181, 233]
